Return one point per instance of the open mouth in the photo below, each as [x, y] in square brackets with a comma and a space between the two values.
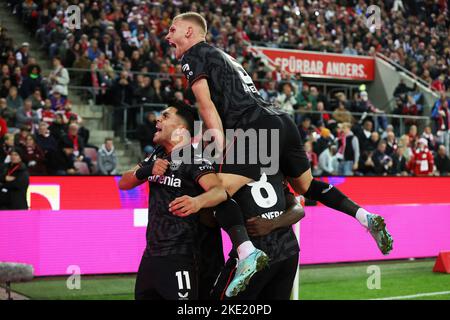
[173, 45]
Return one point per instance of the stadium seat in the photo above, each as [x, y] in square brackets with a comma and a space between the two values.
[91, 153]
[81, 167]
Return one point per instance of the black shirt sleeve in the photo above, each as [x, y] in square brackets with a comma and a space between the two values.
[198, 170]
[194, 68]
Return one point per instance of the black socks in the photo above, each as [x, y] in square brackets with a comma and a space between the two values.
[331, 197]
[231, 219]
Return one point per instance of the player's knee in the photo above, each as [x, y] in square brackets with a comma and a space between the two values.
[301, 184]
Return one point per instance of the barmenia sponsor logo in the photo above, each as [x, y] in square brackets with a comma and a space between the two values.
[167, 180]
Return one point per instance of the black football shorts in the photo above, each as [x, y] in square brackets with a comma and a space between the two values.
[289, 151]
[173, 277]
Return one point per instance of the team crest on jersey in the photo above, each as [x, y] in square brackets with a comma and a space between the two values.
[175, 164]
[185, 67]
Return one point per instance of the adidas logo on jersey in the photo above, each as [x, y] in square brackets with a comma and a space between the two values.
[170, 181]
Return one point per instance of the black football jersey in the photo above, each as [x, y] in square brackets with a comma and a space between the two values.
[232, 90]
[267, 198]
[168, 234]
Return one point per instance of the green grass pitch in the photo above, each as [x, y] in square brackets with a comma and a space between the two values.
[325, 282]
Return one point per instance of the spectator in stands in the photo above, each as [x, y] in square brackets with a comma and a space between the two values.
[441, 116]
[57, 99]
[144, 92]
[269, 92]
[324, 140]
[61, 161]
[14, 101]
[401, 89]
[46, 113]
[390, 128]
[5, 149]
[442, 162]
[366, 106]
[14, 182]
[123, 89]
[406, 143]
[26, 116]
[7, 113]
[34, 157]
[428, 134]
[286, 100]
[6, 86]
[305, 128]
[317, 96]
[341, 114]
[413, 136]
[422, 162]
[36, 99]
[348, 151]
[399, 163]
[44, 139]
[328, 161]
[146, 132]
[31, 81]
[366, 164]
[59, 76]
[20, 139]
[107, 158]
[374, 141]
[320, 118]
[58, 128]
[22, 54]
[364, 135]
[391, 144]
[382, 162]
[77, 141]
[411, 108]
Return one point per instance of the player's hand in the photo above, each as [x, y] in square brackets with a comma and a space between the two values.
[160, 166]
[184, 206]
[257, 226]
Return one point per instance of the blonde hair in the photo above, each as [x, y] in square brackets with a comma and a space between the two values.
[194, 17]
[346, 125]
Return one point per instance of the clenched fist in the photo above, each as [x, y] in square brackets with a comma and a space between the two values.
[160, 166]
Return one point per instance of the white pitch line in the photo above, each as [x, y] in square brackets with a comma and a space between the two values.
[415, 296]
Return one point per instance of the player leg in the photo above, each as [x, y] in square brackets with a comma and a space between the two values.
[144, 287]
[295, 166]
[176, 277]
[280, 285]
[251, 259]
[234, 175]
[167, 278]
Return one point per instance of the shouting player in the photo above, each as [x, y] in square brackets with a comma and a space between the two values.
[228, 99]
[168, 268]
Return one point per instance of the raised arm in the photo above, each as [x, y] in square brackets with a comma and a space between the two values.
[207, 110]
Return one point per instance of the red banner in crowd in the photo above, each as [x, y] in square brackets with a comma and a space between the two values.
[319, 64]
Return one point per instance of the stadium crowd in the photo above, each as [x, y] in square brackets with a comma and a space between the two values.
[125, 59]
